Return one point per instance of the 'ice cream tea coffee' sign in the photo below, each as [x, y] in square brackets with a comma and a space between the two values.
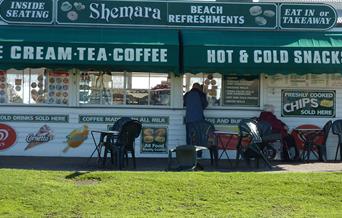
[29, 11]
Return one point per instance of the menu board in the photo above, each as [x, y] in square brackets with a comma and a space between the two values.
[241, 91]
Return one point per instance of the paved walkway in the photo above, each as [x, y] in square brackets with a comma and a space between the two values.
[155, 164]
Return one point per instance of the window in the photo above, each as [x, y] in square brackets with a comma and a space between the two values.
[124, 88]
[34, 86]
[211, 83]
[228, 90]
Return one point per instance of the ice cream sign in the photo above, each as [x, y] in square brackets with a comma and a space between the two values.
[308, 103]
[8, 136]
[43, 135]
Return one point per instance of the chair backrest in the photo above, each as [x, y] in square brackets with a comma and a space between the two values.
[264, 128]
[326, 130]
[250, 128]
[119, 123]
[128, 133]
[202, 133]
[337, 127]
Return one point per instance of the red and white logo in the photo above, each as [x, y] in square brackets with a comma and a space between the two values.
[7, 136]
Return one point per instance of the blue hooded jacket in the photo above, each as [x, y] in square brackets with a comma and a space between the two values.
[195, 102]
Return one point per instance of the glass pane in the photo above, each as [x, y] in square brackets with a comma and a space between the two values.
[118, 96]
[160, 89]
[3, 87]
[38, 84]
[211, 83]
[11, 86]
[59, 86]
[138, 80]
[137, 96]
[95, 87]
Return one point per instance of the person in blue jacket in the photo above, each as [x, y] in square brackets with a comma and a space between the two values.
[195, 102]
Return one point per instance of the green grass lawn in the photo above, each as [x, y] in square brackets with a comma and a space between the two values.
[30, 193]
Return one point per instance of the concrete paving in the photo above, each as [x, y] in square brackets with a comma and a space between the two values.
[156, 164]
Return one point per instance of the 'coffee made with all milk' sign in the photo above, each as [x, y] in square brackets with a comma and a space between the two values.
[271, 16]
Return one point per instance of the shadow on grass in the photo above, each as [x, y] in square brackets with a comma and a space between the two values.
[76, 174]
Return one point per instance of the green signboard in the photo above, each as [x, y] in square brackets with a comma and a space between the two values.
[222, 15]
[307, 16]
[39, 118]
[113, 119]
[111, 12]
[177, 14]
[26, 12]
[169, 14]
[304, 103]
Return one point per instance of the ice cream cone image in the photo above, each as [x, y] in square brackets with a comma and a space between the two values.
[76, 138]
[44, 134]
[32, 145]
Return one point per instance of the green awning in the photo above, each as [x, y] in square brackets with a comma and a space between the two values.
[89, 48]
[262, 52]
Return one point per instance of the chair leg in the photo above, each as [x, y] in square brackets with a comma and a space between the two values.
[337, 149]
[105, 156]
[133, 159]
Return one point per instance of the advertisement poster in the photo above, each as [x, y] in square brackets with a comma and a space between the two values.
[43, 135]
[304, 103]
[8, 136]
[154, 140]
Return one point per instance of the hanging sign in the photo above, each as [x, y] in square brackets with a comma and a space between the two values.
[303, 103]
[26, 12]
[307, 16]
[168, 14]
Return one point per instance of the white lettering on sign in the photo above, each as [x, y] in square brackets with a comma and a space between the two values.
[317, 57]
[307, 20]
[87, 54]
[205, 19]
[27, 5]
[300, 103]
[271, 56]
[26, 9]
[140, 54]
[1, 51]
[102, 12]
[199, 9]
[220, 56]
[40, 53]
